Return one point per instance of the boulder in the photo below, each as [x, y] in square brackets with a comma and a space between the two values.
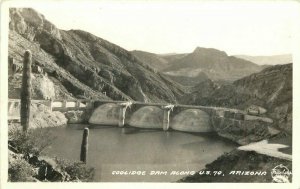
[43, 87]
[76, 116]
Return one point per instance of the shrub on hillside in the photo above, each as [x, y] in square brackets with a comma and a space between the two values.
[78, 171]
[20, 170]
[31, 143]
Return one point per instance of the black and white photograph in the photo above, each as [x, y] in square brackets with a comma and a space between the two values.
[149, 92]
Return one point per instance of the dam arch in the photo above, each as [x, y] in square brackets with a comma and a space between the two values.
[106, 114]
[192, 120]
[147, 117]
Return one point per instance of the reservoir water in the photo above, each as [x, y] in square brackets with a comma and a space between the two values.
[113, 150]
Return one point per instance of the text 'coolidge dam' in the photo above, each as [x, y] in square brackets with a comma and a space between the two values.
[187, 118]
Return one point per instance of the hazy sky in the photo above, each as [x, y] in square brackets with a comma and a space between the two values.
[252, 28]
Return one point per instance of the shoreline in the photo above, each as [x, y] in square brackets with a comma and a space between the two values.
[239, 164]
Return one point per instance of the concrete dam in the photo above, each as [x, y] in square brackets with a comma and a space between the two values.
[178, 117]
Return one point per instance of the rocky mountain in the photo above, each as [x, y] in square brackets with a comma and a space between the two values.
[268, 60]
[157, 61]
[215, 64]
[170, 57]
[271, 89]
[188, 81]
[82, 65]
[193, 68]
[154, 60]
[162, 61]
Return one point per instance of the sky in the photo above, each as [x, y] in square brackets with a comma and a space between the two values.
[236, 27]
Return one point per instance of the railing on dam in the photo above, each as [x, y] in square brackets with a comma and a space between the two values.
[56, 105]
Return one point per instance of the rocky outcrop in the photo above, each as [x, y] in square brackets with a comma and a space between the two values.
[48, 170]
[77, 116]
[43, 117]
[273, 89]
[43, 87]
[243, 131]
[28, 23]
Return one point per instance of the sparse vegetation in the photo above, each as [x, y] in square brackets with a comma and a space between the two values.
[26, 164]
[31, 143]
[77, 170]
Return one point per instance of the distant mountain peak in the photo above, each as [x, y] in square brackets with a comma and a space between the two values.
[216, 64]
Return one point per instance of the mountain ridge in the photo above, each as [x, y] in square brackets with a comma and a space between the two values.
[270, 88]
[216, 64]
[268, 60]
[99, 65]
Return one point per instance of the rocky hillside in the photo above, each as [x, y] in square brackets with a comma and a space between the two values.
[198, 66]
[188, 81]
[268, 60]
[170, 57]
[248, 163]
[155, 61]
[271, 89]
[215, 64]
[162, 61]
[83, 65]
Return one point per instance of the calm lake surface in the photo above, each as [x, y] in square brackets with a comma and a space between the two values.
[131, 149]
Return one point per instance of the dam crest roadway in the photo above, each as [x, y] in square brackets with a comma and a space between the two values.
[189, 118]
